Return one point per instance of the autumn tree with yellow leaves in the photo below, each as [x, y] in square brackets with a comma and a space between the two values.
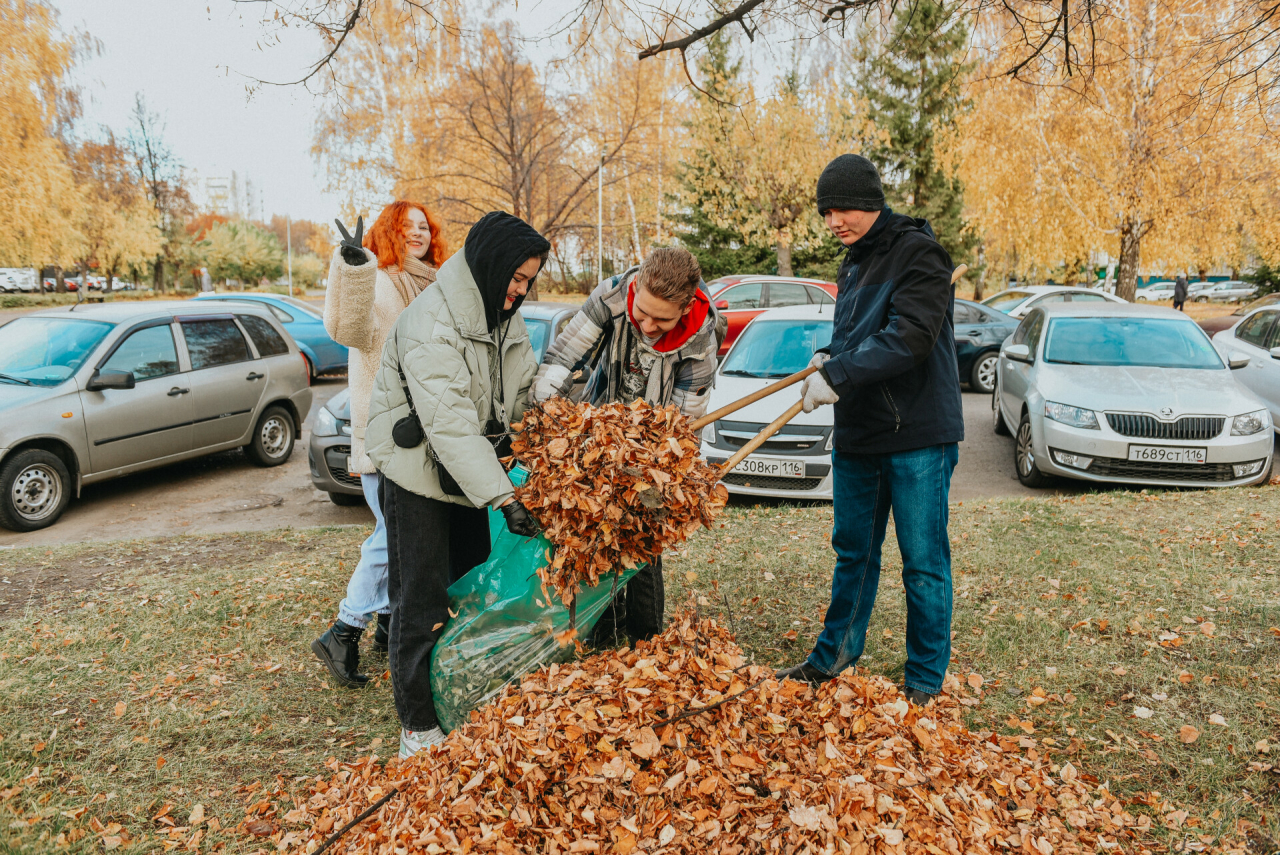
[1147, 156]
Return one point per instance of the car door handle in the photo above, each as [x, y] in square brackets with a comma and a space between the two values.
[175, 392]
[254, 375]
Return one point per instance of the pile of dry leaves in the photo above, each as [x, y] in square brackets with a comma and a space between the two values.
[612, 486]
[678, 747]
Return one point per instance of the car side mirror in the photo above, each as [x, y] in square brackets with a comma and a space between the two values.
[1238, 362]
[1275, 353]
[110, 380]
[722, 304]
[1018, 353]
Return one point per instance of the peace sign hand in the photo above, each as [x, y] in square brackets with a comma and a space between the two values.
[352, 250]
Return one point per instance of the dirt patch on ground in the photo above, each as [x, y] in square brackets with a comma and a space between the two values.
[51, 580]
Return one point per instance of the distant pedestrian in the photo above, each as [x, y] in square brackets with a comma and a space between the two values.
[1179, 292]
[361, 305]
[891, 373]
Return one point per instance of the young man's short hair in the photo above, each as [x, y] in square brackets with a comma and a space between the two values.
[670, 273]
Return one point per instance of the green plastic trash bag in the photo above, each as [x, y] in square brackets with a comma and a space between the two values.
[505, 627]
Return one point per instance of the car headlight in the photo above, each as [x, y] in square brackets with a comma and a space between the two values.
[326, 423]
[709, 434]
[1250, 423]
[1074, 416]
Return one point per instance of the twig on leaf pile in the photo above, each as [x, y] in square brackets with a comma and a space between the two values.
[593, 756]
[612, 486]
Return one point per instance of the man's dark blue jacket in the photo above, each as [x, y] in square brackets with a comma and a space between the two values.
[893, 352]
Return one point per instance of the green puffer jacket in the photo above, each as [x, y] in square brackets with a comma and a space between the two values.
[446, 350]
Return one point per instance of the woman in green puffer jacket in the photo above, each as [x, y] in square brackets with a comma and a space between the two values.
[458, 363]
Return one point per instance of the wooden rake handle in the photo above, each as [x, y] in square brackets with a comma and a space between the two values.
[751, 399]
[760, 438]
[759, 394]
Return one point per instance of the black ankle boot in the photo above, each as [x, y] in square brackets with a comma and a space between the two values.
[382, 634]
[339, 650]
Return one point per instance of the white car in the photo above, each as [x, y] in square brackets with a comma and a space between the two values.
[1156, 292]
[796, 462]
[1257, 337]
[1127, 394]
[1017, 302]
[1221, 292]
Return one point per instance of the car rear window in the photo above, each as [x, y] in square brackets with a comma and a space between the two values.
[1153, 342]
[265, 338]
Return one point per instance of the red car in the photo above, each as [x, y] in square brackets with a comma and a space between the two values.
[741, 298]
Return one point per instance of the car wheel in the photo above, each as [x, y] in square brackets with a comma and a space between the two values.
[1024, 456]
[997, 419]
[1200, 300]
[982, 378]
[347, 500]
[36, 489]
[272, 441]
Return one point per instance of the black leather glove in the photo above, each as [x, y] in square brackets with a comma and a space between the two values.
[520, 521]
[352, 251]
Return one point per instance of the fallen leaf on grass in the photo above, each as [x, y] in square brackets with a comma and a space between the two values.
[121, 706]
[260, 828]
[975, 681]
[1218, 720]
[160, 761]
[1186, 677]
[1188, 734]
[1207, 628]
[1142, 712]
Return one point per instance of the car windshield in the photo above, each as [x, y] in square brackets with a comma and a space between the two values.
[1005, 301]
[539, 330]
[1156, 342]
[46, 351]
[776, 348]
[1257, 304]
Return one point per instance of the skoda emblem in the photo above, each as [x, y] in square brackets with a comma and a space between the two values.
[1167, 412]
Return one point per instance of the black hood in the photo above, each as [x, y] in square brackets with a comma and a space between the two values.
[496, 247]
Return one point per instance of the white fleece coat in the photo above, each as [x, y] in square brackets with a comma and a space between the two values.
[361, 306]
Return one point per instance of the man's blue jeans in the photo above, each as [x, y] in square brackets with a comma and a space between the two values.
[914, 485]
[367, 590]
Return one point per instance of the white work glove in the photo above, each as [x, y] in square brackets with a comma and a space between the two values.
[816, 391]
[548, 383]
[819, 359]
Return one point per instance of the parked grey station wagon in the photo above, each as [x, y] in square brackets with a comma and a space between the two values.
[96, 392]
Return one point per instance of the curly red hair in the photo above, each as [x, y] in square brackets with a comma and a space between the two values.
[385, 238]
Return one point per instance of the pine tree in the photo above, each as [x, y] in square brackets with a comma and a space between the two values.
[914, 88]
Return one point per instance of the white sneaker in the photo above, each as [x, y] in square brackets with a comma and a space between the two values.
[413, 741]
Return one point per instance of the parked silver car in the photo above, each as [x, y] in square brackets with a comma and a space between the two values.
[95, 392]
[1127, 394]
[1231, 291]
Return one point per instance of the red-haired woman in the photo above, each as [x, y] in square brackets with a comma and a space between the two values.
[362, 303]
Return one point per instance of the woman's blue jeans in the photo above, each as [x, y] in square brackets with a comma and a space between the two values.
[367, 590]
[914, 485]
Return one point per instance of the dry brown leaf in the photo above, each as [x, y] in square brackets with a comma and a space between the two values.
[1188, 734]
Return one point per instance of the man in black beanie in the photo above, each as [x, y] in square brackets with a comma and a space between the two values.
[891, 373]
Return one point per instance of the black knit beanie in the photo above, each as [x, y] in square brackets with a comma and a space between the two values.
[850, 182]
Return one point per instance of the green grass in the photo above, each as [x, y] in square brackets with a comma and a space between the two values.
[204, 642]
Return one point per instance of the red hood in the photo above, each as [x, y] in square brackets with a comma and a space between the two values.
[689, 323]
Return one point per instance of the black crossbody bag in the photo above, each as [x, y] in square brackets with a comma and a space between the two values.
[409, 433]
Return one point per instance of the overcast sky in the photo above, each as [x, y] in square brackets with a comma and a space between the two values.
[191, 66]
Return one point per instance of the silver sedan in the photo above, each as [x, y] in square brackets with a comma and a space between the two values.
[1127, 394]
[96, 392]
